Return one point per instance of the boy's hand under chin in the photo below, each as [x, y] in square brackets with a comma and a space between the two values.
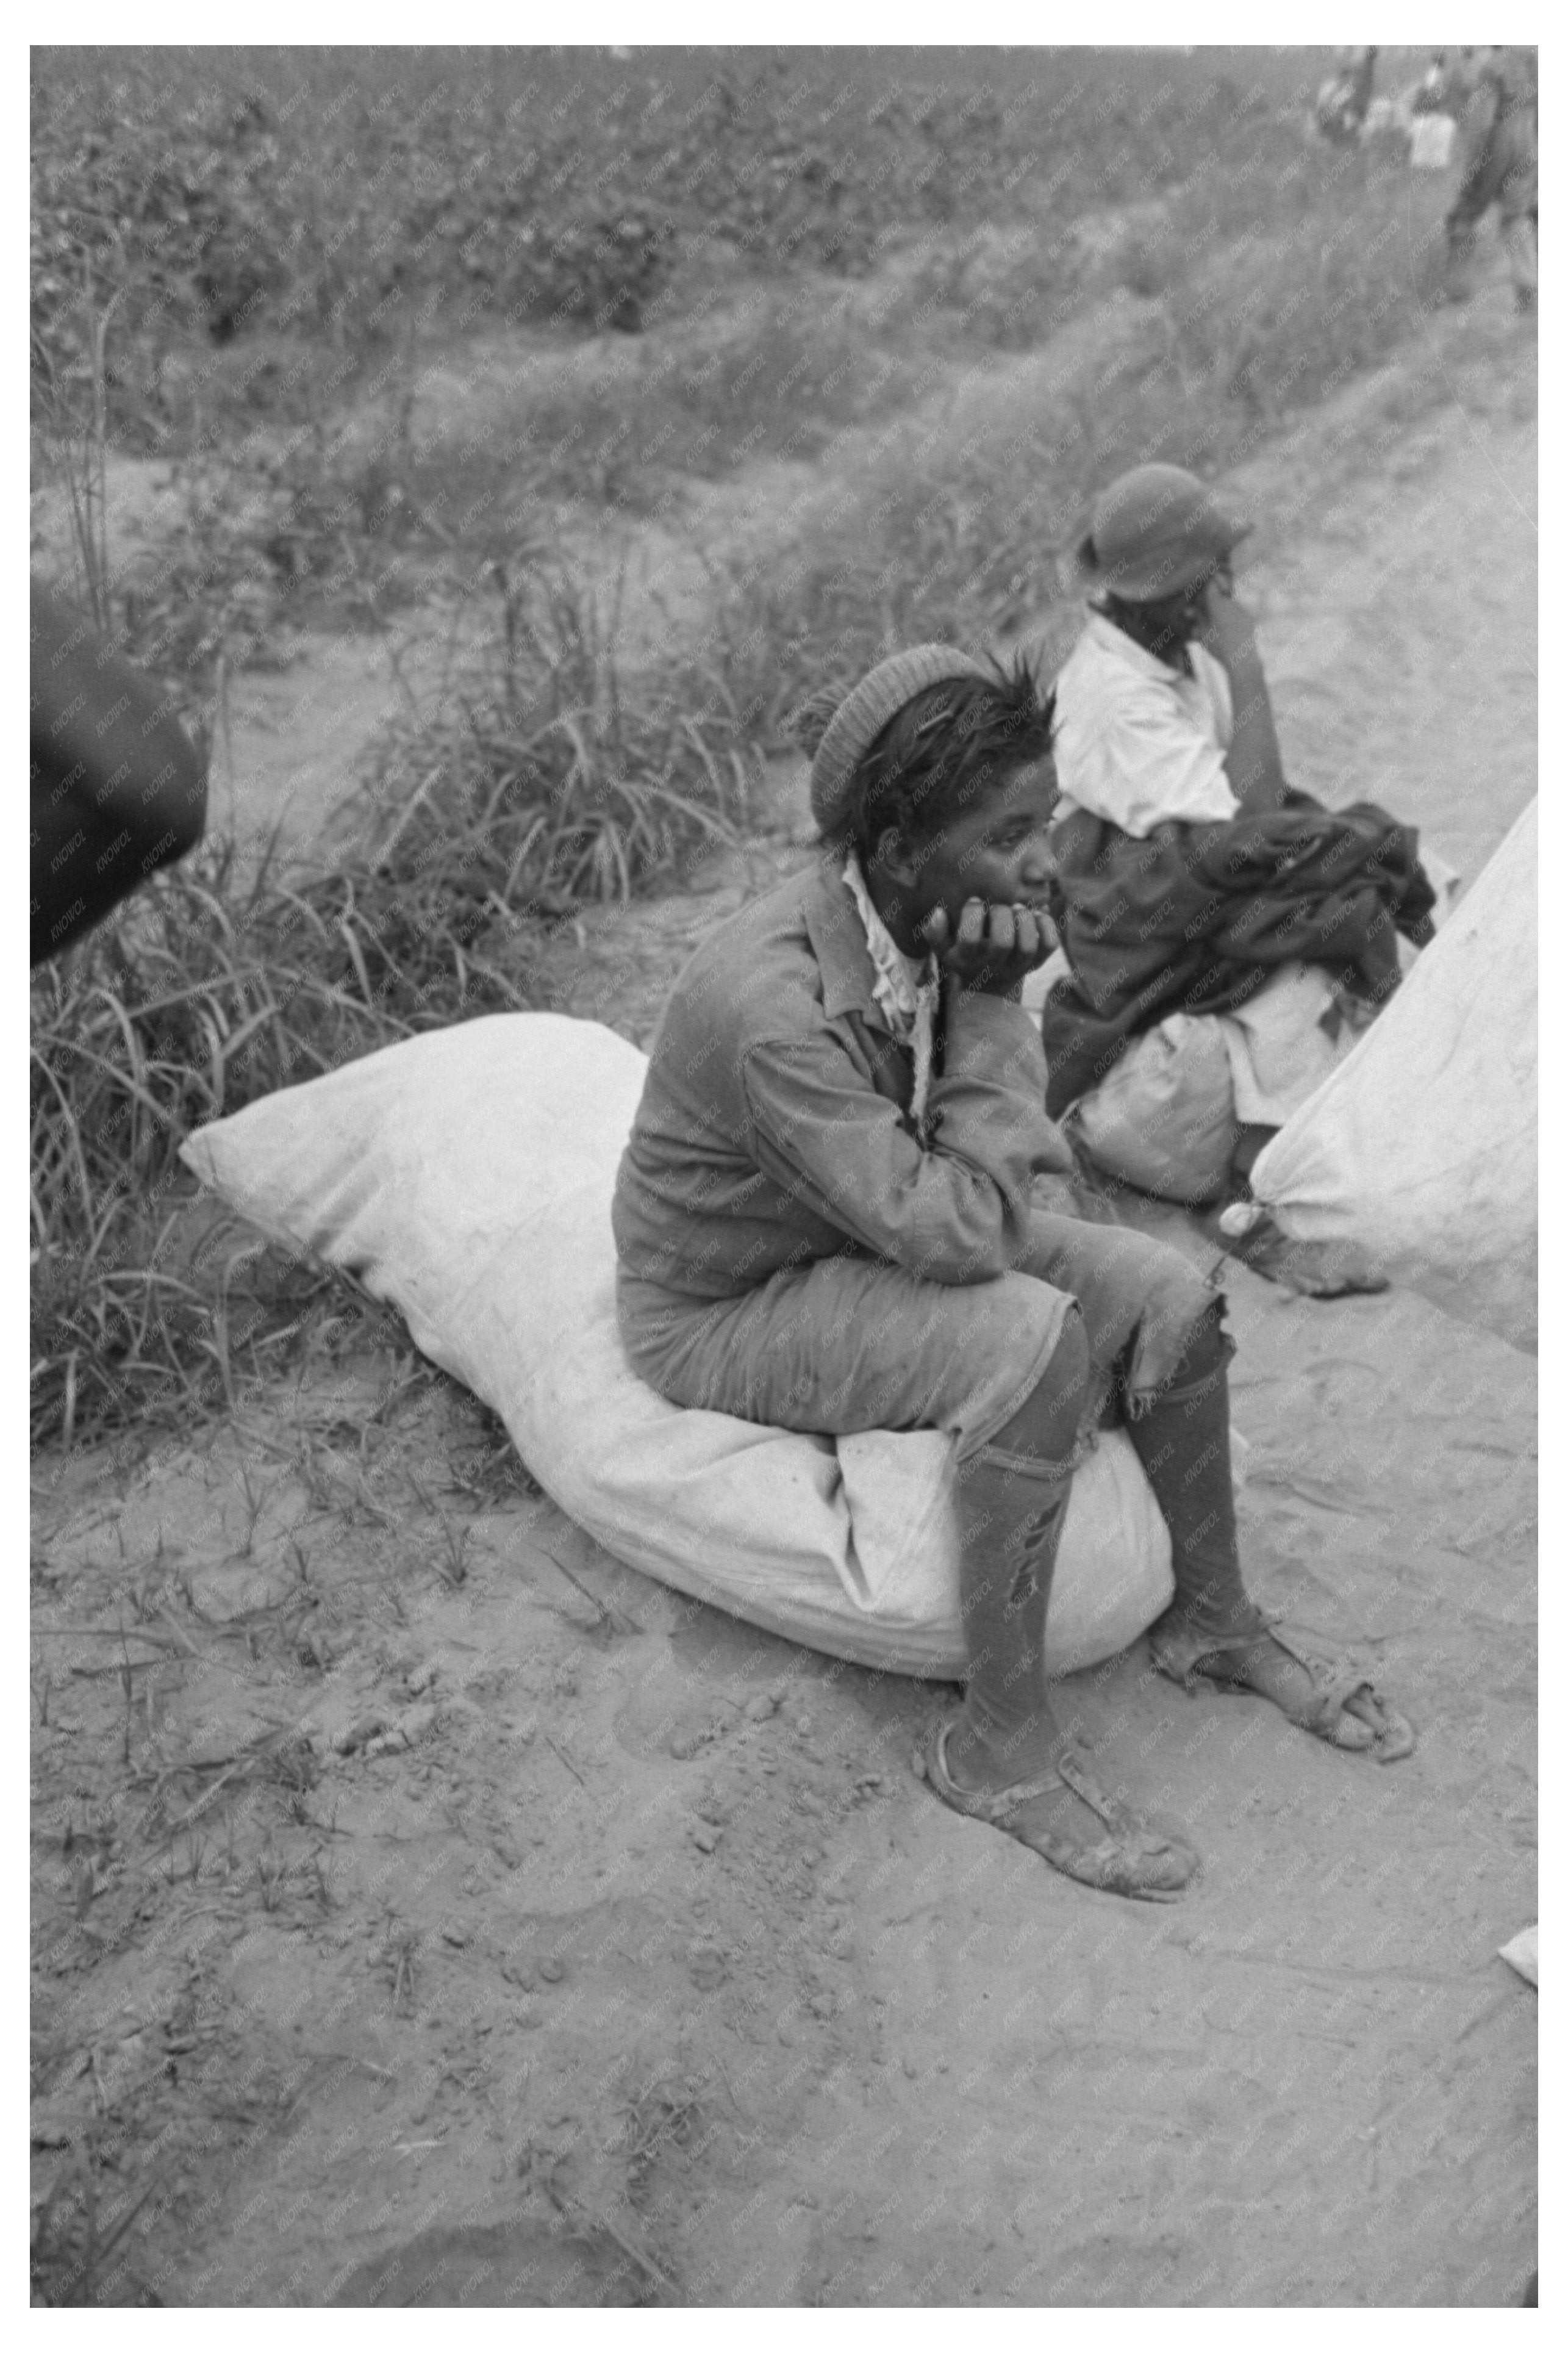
[991, 949]
[1223, 626]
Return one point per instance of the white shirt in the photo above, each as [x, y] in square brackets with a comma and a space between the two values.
[1136, 742]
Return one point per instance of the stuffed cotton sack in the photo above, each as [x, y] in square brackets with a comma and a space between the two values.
[1420, 1149]
[465, 1177]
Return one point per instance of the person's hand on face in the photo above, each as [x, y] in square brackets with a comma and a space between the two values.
[990, 948]
[977, 890]
[1221, 624]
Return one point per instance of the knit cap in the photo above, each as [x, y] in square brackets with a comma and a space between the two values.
[866, 711]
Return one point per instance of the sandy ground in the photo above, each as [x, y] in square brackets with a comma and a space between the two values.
[428, 1909]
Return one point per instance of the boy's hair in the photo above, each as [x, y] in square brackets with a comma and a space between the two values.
[944, 753]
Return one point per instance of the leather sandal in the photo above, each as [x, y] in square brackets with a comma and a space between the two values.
[1134, 1860]
[1178, 1651]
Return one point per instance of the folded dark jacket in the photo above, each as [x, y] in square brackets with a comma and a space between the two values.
[1195, 919]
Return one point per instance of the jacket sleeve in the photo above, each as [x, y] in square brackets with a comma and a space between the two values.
[956, 1212]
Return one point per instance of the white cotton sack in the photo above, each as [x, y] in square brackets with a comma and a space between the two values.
[1523, 1953]
[1420, 1148]
[465, 1177]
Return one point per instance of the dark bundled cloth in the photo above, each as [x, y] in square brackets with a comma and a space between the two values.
[1197, 917]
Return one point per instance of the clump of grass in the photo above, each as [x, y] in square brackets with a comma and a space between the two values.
[562, 780]
[206, 992]
[564, 777]
[1284, 275]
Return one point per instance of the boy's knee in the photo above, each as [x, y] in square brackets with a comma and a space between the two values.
[1068, 1372]
[1208, 1351]
[1048, 1420]
[1210, 1344]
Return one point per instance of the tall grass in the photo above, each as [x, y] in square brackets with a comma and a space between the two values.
[560, 776]
[203, 992]
[558, 782]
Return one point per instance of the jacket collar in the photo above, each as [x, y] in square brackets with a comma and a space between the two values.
[837, 940]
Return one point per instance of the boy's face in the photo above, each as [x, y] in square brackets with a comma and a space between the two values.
[1179, 617]
[995, 849]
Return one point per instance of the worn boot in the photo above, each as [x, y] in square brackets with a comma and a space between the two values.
[1183, 1441]
[1214, 1629]
[1004, 1760]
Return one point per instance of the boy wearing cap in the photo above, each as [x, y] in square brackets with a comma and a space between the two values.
[843, 1208]
[1226, 939]
[1162, 709]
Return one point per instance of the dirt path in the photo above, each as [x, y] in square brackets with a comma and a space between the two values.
[1398, 614]
[428, 1909]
